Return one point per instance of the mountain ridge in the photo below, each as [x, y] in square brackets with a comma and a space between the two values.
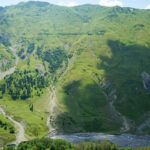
[44, 3]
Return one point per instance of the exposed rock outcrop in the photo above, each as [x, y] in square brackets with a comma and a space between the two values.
[146, 81]
[111, 95]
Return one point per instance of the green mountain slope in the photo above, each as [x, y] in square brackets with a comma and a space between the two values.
[94, 56]
[7, 58]
[7, 131]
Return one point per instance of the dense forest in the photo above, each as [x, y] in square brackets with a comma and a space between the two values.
[55, 57]
[23, 84]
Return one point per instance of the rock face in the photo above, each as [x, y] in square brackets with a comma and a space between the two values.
[146, 81]
[145, 126]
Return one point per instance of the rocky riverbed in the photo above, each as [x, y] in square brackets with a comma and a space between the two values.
[123, 140]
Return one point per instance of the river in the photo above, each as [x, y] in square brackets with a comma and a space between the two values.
[123, 140]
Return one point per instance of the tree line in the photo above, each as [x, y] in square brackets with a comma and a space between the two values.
[23, 84]
[54, 57]
[50, 144]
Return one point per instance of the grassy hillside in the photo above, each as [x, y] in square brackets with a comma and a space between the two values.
[7, 131]
[93, 55]
[7, 59]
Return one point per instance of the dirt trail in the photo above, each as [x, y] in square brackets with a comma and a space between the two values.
[52, 106]
[20, 135]
[53, 99]
[10, 71]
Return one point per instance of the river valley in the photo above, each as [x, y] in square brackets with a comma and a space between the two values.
[123, 140]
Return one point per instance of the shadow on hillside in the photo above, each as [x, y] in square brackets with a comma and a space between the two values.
[87, 106]
[123, 69]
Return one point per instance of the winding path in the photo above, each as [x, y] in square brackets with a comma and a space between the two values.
[20, 135]
[10, 71]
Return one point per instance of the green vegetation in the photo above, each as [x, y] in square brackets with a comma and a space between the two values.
[49, 144]
[91, 54]
[106, 145]
[43, 144]
[4, 40]
[33, 111]
[6, 126]
[7, 131]
[20, 52]
[89, 117]
[6, 58]
[30, 48]
[35, 120]
[55, 58]
[124, 70]
[23, 84]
